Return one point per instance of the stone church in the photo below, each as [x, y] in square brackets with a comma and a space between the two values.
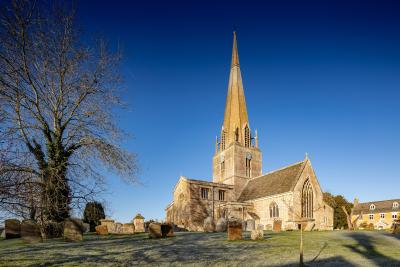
[239, 190]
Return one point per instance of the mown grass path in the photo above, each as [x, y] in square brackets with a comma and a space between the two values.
[337, 248]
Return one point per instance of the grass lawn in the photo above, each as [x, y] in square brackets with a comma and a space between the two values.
[336, 248]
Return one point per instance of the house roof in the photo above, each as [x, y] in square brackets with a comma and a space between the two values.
[380, 206]
[277, 182]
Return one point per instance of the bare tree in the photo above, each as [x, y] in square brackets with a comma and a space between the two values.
[57, 97]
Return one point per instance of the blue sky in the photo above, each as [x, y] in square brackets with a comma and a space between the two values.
[321, 77]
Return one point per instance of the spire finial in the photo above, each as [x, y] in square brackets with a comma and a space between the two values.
[235, 54]
[306, 156]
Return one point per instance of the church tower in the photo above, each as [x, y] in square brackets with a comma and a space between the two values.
[237, 156]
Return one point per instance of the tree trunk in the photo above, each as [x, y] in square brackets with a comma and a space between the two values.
[348, 217]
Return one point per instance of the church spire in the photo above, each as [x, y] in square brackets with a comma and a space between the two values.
[235, 118]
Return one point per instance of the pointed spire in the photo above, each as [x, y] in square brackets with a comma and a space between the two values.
[235, 110]
[235, 54]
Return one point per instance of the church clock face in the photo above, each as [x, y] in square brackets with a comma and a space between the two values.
[248, 155]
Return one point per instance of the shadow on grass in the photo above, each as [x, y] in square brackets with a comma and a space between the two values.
[366, 247]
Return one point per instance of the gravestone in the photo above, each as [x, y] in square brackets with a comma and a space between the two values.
[73, 230]
[250, 225]
[138, 222]
[30, 232]
[3, 234]
[257, 234]
[260, 227]
[209, 225]
[101, 230]
[158, 230]
[12, 228]
[128, 228]
[221, 225]
[235, 230]
[277, 227]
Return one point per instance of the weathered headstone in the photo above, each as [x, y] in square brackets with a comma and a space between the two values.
[155, 230]
[138, 222]
[277, 227]
[30, 231]
[235, 230]
[260, 227]
[158, 230]
[101, 230]
[221, 225]
[3, 234]
[257, 234]
[208, 225]
[12, 228]
[128, 228]
[250, 225]
[73, 230]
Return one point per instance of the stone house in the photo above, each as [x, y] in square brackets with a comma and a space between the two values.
[381, 214]
[239, 189]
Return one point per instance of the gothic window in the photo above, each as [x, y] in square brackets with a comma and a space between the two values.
[204, 193]
[223, 140]
[382, 215]
[247, 136]
[307, 200]
[371, 217]
[372, 207]
[395, 205]
[273, 210]
[221, 195]
[222, 166]
[248, 167]
[394, 216]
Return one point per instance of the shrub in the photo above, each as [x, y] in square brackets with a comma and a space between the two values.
[93, 213]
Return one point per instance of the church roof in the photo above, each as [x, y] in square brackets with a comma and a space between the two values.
[235, 110]
[273, 183]
[380, 206]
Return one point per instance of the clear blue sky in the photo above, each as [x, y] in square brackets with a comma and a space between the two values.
[321, 77]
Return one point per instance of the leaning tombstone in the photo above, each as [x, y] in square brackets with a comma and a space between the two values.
[208, 225]
[235, 230]
[138, 222]
[221, 225]
[73, 230]
[12, 228]
[3, 234]
[30, 231]
[155, 230]
[257, 234]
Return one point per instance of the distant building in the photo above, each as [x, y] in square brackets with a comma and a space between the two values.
[278, 199]
[381, 214]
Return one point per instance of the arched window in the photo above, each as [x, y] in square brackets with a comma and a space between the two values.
[307, 197]
[395, 205]
[223, 140]
[246, 136]
[273, 210]
[372, 207]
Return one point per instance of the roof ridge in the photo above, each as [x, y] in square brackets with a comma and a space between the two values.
[394, 199]
[280, 169]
